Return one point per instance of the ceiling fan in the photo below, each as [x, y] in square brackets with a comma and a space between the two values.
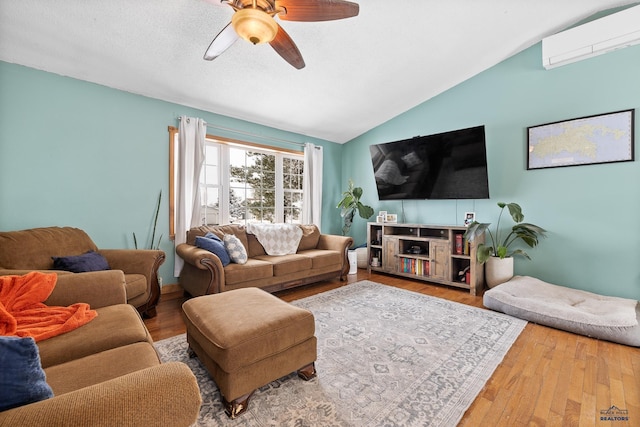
[254, 21]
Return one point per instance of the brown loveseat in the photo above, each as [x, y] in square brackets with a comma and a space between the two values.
[33, 249]
[319, 257]
[107, 372]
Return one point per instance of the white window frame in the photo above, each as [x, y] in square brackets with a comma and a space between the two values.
[224, 169]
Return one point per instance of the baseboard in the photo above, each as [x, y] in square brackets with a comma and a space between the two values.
[168, 289]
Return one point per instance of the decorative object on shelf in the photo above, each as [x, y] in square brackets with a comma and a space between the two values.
[153, 245]
[499, 247]
[469, 217]
[393, 218]
[416, 250]
[351, 203]
[603, 138]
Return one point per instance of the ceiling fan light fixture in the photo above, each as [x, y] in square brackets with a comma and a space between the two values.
[254, 25]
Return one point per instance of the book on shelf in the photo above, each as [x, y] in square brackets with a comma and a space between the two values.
[418, 267]
[459, 244]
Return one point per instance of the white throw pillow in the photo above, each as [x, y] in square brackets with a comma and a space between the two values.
[236, 250]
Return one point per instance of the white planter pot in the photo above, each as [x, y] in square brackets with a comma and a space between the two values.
[498, 270]
[353, 261]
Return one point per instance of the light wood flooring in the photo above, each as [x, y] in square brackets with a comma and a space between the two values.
[548, 377]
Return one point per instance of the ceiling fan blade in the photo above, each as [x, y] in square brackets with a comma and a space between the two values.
[221, 42]
[316, 10]
[284, 45]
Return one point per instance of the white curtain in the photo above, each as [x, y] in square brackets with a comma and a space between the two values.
[189, 159]
[312, 185]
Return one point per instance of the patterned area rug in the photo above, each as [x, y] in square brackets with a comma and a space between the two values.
[386, 357]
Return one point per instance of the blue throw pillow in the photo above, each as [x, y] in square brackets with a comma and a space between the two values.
[22, 380]
[215, 246]
[210, 235]
[90, 261]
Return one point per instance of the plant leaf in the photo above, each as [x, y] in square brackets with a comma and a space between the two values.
[357, 193]
[365, 211]
[516, 212]
[483, 253]
[475, 229]
[502, 251]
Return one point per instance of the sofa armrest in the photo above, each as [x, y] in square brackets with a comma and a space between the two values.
[335, 243]
[134, 261]
[163, 395]
[196, 256]
[196, 260]
[139, 261]
[96, 288]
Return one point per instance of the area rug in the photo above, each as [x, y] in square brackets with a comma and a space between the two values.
[386, 357]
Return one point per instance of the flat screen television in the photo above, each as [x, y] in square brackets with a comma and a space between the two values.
[448, 165]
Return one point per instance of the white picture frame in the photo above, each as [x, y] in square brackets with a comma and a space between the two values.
[469, 217]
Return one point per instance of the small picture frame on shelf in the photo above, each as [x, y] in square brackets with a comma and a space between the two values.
[382, 213]
[469, 217]
[391, 218]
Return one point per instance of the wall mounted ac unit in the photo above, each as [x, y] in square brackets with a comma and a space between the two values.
[603, 35]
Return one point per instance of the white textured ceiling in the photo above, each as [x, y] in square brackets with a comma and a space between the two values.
[360, 72]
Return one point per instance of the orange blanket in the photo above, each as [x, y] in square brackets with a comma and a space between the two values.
[23, 314]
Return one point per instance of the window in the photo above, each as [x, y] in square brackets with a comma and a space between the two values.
[264, 184]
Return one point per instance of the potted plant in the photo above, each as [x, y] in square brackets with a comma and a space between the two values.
[497, 253]
[351, 203]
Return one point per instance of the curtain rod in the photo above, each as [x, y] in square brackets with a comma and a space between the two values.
[300, 144]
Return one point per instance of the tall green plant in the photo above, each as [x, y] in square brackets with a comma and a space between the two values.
[500, 243]
[155, 225]
[350, 204]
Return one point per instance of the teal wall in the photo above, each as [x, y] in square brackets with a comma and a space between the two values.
[80, 154]
[589, 211]
[84, 155]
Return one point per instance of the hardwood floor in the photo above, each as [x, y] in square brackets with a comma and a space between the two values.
[548, 378]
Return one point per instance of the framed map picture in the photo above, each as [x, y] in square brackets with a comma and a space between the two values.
[604, 138]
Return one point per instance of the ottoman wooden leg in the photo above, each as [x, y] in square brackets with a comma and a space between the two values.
[191, 353]
[237, 406]
[308, 372]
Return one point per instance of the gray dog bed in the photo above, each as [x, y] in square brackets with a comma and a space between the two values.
[608, 318]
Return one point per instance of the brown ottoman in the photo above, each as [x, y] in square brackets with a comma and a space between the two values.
[247, 338]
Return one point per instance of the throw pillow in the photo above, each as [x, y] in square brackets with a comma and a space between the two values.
[90, 261]
[22, 380]
[210, 235]
[310, 237]
[236, 250]
[215, 246]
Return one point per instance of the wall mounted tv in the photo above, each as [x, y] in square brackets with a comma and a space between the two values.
[449, 165]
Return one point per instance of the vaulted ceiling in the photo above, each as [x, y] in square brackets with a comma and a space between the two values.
[360, 72]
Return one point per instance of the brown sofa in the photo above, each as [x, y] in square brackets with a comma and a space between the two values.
[107, 371]
[319, 257]
[33, 249]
